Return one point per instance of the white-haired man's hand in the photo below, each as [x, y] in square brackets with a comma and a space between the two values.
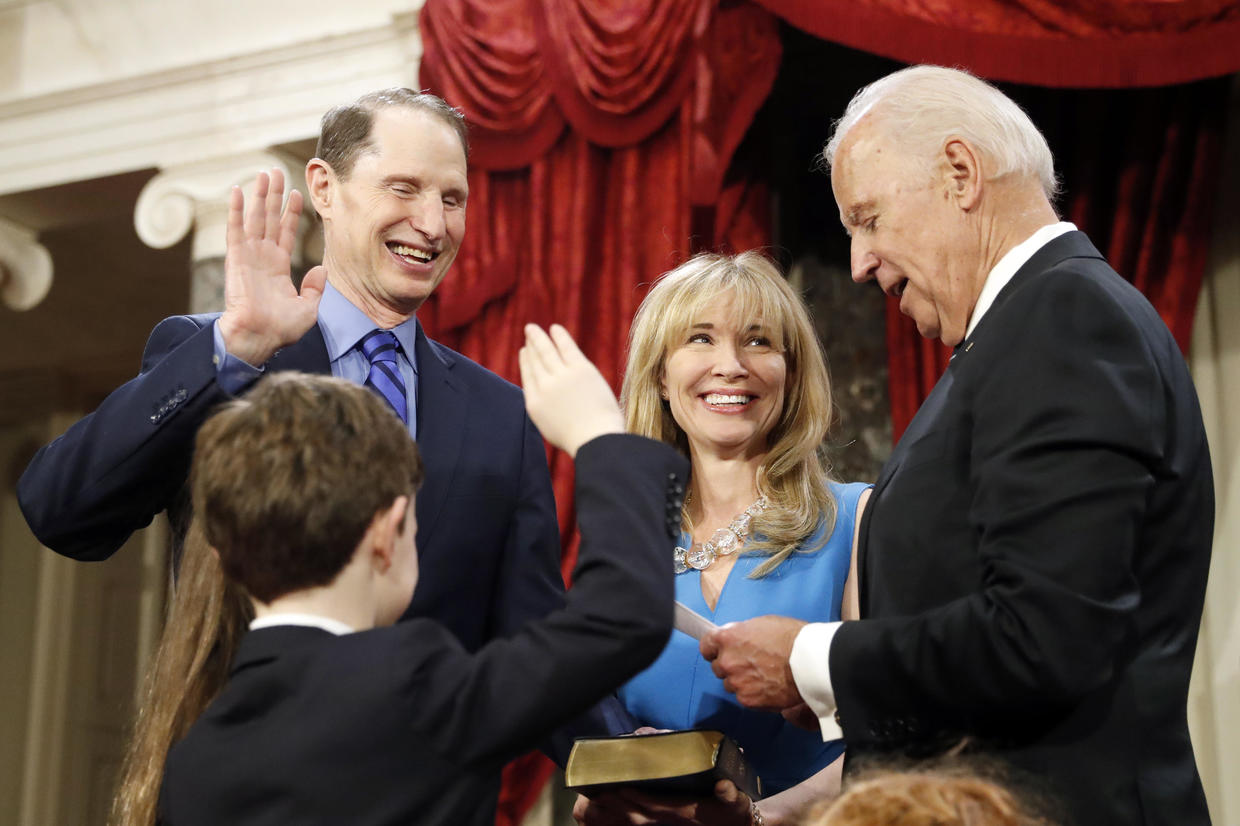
[566, 396]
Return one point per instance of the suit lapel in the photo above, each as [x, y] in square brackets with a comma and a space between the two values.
[927, 414]
[1068, 245]
[918, 427]
[308, 354]
[442, 405]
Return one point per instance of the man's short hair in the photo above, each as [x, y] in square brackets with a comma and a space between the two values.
[922, 106]
[287, 480]
[345, 131]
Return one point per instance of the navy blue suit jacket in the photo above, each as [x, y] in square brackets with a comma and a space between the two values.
[488, 538]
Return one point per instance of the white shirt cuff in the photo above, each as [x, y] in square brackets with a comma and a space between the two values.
[811, 671]
[232, 373]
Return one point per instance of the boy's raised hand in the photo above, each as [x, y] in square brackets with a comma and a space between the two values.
[566, 396]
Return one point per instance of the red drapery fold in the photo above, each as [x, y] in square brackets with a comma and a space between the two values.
[601, 134]
[1064, 43]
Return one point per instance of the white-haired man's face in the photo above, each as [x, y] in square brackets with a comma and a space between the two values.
[908, 233]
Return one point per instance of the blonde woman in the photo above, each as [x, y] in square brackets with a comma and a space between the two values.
[724, 363]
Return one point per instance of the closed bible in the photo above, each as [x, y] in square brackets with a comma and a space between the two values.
[687, 762]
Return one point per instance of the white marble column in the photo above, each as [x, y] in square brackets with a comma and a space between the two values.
[25, 267]
[195, 197]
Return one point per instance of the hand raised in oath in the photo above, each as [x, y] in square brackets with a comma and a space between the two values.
[566, 396]
[263, 310]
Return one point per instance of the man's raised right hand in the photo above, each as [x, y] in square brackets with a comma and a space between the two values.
[262, 309]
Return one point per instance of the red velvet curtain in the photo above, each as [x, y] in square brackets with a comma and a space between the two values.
[1063, 43]
[601, 136]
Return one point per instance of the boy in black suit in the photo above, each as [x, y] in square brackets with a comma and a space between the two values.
[306, 491]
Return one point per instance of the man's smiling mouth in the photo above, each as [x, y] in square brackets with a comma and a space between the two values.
[412, 254]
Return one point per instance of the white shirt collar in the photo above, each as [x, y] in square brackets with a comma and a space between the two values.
[1009, 265]
[312, 620]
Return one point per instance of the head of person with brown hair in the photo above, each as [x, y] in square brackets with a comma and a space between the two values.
[926, 797]
[290, 481]
[306, 483]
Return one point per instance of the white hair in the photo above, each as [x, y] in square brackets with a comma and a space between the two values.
[923, 106]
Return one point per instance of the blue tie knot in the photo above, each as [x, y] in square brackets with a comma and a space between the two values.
[380, 345]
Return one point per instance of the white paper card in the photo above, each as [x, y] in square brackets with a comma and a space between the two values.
[694, 624]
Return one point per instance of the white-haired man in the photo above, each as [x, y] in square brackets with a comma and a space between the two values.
[1033, 561]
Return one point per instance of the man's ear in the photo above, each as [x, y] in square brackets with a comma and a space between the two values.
[320, 184]
[963, 173]
[385, 529]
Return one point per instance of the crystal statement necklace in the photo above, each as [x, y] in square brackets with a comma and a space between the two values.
[724, 542]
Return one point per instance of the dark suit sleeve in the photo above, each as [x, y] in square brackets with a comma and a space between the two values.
[529, 584]
[110, 473]
[616, 620]
[1065, 431]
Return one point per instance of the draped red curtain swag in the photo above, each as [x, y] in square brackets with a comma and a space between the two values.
[1063, 43]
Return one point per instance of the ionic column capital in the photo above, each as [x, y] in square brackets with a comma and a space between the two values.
[25, 267]
[195, 196]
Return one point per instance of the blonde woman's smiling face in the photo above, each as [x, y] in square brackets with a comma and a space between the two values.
[725, 381]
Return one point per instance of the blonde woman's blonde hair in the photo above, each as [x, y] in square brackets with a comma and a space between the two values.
[794, 475]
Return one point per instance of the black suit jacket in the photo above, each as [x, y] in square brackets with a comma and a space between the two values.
[391, 726]
[1033, 559]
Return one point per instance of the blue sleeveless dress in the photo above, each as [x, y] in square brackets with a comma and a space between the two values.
[679, 691]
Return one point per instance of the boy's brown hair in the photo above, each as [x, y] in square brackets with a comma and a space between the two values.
[287, 480]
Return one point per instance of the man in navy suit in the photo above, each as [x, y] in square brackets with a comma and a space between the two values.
[389, 182]
[329, 717]
[1032, 564]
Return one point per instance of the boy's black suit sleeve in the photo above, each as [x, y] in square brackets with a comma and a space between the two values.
[499, 701]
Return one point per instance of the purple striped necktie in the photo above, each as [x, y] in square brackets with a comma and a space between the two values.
[379, 347]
